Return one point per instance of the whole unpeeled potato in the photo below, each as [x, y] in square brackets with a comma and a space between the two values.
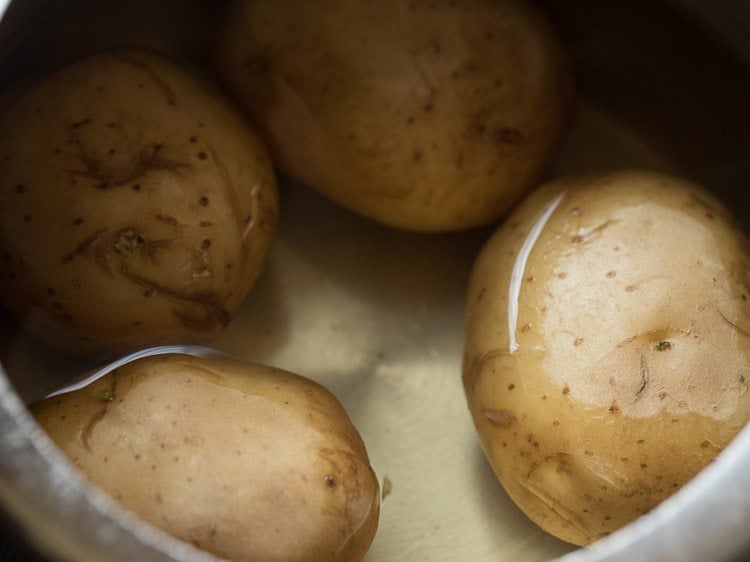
[427, 116]
[136, 206]
[245, 461]
[608, 348]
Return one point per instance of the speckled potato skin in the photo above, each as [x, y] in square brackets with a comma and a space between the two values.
[136, 206]
[245, 461]
[426, 116]
[633, 357]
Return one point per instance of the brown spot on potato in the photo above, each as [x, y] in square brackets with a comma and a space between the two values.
[645, 376]
[566, 390]
[84, 245]
[78, 222]
[79, 124]
[511, 386]
[509, 135]
[478, 128]
[170, 220]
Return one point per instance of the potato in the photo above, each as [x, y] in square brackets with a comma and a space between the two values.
[245, 461]
[136, 207]
[427, 116]
[608, 347]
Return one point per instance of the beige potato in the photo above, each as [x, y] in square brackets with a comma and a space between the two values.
[136, 207]
[245, 461]
[608, 347]
[427, 116]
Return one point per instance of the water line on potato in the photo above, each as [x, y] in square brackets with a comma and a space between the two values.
[195, 350]
[516, 276]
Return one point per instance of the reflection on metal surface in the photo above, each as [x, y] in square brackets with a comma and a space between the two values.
[516, 277]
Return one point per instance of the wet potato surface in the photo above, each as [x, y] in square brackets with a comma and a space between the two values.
[607, 351]
[245, 461]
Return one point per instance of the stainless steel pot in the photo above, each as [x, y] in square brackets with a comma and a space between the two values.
[663, 85]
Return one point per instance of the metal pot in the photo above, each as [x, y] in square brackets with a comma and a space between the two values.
[663, 85]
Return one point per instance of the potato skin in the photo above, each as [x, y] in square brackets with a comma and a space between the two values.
[426, 116]
[245, 461]
[136, 207]
[633, 355]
